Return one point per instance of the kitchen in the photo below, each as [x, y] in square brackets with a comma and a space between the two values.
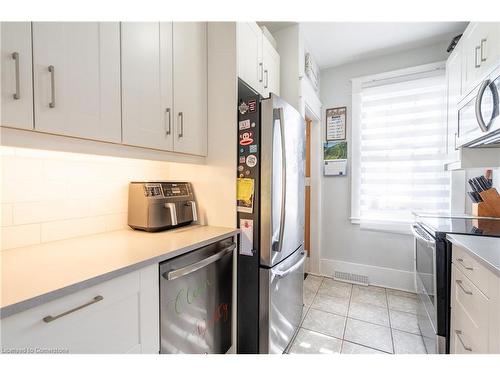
[250, 187]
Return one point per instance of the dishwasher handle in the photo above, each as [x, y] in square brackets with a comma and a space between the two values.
[172, 275]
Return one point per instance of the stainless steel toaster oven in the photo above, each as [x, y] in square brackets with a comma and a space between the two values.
[160, 205]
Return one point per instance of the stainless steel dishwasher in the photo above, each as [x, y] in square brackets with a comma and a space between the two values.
[196, 300]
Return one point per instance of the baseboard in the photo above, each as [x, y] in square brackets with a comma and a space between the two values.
[379, 276]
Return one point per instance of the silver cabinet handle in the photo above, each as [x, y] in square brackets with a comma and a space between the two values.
[459, 335]
[261, 71]
[17, 94]
[180, 117]
[168, 119]
[266, 73]
[172, 275]
[460, 284]
[483, 55]
[466, 267]
[477, 64]
[50, 318]
[456, 136]
[283, 274]
[52, 103]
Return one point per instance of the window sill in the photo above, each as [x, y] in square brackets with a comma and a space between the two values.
[395, 227]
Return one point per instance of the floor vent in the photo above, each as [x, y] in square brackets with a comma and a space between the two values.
[350, 277]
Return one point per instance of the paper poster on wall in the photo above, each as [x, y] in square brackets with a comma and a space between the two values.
[336, 119]
[335, 158]
[246, 237]
[245, 193]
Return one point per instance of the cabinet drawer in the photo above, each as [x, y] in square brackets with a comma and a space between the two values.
[473, 302]
[471, 268]
[469, 330]
[110, 324]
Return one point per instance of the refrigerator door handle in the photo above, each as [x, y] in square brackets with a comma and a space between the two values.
[278, 115]
[283, 274]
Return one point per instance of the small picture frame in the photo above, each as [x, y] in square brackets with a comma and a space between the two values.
[336, 119]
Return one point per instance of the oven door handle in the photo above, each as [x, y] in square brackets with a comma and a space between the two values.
[420, 237]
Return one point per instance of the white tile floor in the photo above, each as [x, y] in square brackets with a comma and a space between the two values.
[352, 319]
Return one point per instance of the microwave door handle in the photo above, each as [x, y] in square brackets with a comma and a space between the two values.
[283, 274]
[278, 115]
[479, 99]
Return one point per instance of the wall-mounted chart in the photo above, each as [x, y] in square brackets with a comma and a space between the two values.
[336, 123]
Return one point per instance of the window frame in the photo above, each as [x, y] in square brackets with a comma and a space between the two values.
[358, 83]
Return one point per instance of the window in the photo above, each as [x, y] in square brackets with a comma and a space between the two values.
[399, 146]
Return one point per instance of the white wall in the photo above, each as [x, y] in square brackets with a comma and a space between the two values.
[387, 258]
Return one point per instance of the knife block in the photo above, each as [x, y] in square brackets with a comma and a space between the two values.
[490, 206]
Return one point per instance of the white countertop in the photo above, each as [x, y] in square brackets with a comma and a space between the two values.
[484, 249]
[37, 274]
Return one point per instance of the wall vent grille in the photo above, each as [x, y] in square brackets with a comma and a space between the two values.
[351, 278]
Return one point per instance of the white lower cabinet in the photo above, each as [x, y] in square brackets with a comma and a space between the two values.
[475, 306]
[116, 316]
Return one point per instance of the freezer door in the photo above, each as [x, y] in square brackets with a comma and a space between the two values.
[282, 180]
[281, 302]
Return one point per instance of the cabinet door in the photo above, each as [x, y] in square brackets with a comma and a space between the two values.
[147, 84]
[249, 46]
[17, 88]
[190, 87]
[271, 61]
[489, 43]
[120, 315]
[77, 79]
[481, 52]
[454, 90]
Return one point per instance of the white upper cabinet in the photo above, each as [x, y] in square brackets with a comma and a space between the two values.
[17, 89]
[480, 52]
[147, 108]
[76, 70]
[454, 91]
[190, 87]
[271, 63]
[249, 45]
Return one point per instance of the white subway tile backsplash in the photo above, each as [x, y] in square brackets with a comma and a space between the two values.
[48, 196]
[116, 221]
[20, 235]
[6, 214]
[60, 230]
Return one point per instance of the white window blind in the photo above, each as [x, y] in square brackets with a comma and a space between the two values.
[402, 148]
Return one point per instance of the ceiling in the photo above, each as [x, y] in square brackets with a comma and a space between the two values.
[337, 43]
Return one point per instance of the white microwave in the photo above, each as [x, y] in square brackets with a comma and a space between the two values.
[478, 118]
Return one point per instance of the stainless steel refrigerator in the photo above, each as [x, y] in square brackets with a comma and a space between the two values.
[271, 193]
